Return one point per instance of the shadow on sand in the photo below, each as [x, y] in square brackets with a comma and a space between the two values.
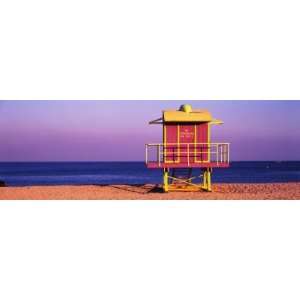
[136, 188]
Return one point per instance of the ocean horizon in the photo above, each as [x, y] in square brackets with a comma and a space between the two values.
[136, 172]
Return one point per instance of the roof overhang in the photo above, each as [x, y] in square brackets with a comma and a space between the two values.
[157, 121]
[216, 122]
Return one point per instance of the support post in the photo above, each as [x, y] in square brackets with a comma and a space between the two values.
[165, 180]
[204, 187]
[207, 180]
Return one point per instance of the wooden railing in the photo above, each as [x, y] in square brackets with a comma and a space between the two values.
[188, 153]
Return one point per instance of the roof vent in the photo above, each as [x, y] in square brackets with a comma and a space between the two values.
[186, 108]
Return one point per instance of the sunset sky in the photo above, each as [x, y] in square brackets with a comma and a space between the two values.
[118, 130]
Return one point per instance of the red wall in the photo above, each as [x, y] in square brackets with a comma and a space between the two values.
[180, 135]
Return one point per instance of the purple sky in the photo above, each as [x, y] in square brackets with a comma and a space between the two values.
[118, 130]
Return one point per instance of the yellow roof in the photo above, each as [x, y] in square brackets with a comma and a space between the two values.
[187, 114]
[181, 116]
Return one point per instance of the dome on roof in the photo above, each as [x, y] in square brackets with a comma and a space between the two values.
[186, 108]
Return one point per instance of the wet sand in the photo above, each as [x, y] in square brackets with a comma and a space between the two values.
[132, 192]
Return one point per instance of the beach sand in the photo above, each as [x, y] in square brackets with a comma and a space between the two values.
[132, 192]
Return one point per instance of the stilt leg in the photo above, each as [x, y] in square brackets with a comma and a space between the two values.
[165, 180]
[204, 187]
[207, 180]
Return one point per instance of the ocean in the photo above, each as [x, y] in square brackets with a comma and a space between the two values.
[101, 173]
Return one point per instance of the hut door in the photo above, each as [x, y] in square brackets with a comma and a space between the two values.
[187, 143]
[202, 148]
[171, 143]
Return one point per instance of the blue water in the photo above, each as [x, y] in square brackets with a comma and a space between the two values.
[82, 173]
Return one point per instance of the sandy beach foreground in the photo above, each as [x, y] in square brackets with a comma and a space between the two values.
[132, 192]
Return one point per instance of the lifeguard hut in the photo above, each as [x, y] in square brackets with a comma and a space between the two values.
[187, 148]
